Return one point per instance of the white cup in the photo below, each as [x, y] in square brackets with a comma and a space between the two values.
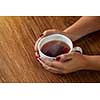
[58, 37]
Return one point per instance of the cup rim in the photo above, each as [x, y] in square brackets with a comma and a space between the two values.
[71, 47]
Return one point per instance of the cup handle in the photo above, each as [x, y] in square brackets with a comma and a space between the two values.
[78, 49]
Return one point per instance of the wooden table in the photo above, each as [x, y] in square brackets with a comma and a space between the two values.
[17, 60]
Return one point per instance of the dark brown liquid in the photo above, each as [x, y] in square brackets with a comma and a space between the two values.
[55, 48]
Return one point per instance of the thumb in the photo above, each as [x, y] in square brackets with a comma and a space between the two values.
[64, 57]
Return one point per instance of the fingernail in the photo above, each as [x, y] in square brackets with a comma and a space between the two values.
[36, 55]
[66, 49]
[58, 58]
[41, 35]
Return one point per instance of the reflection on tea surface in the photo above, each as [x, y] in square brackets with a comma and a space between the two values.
[55, 48]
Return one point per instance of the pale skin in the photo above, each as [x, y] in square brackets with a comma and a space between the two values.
[74, 61]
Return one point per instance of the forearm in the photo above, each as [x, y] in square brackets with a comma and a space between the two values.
[83, 26]
[93, 62]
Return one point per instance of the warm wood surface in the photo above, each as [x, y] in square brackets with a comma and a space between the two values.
[17, 39]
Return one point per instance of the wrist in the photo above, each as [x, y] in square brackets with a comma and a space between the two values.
[71, 33]
[87, 62]
[92, 62]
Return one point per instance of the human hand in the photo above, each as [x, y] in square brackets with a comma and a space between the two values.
[46, 33]
[49, 32]
[66, 63]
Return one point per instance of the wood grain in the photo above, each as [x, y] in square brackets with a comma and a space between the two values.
[17, 61]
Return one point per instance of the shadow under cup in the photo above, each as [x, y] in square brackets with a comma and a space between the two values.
[54, 37]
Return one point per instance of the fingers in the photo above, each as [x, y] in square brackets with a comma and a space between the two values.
[36, 55]
[45, 33]
[49, 68]
[54, 64]
[49, 32]
[36, 44]
[65, 57]
[55, 70]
